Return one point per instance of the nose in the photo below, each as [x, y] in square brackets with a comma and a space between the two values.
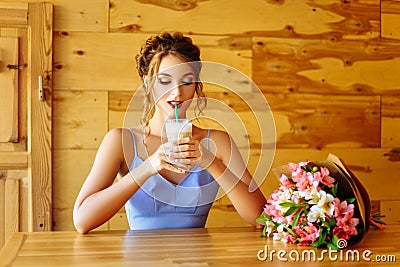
[177, 90]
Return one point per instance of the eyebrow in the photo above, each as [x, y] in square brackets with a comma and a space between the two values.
[169, 75]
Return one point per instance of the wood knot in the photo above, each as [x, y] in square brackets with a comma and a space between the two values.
[275, 2]
[183, 5]
[177, 5]
[79, 52]
[130, 28]
[393, 155]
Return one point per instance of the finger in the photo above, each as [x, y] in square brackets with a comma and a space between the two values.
[166, 148]
[185, 140]
[169, 164]
[183, 168]
[180, 163]
[185, 147]
[169, 158]
[179, 155]
[183, 162]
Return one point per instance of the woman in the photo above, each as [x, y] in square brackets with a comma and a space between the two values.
[164, 184]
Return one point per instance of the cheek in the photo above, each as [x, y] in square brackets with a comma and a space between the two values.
[190, 92]
[188, 98]
[159, 94]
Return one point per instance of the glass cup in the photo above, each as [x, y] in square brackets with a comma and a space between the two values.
[177, 129]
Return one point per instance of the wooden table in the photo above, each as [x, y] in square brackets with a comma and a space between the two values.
[182, 247]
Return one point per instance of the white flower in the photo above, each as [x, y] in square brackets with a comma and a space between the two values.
[326, 203]
[279, 233]
[311, 194]
[284, 196]
[285, 193]
[315, 213]
[269, 225]
[282, 209]
[323, 206]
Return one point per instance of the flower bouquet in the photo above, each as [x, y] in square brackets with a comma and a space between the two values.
[318, 204]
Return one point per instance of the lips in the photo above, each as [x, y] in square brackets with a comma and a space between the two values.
[173, 102]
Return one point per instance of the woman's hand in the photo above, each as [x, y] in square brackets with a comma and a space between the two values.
[187, 152]
[161, 159]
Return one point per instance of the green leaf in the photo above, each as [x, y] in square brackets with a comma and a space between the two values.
[291, 204]
[290, 211]
[377, 214]
[334, 190]
[264, 231]
[296, 218]
[350, 200]
[335, 240]
[326, 224]
[332, 246]
[307, 168]
[378, 221]
[321, 239]
[263, 218]
[332, 222]
[290, 231]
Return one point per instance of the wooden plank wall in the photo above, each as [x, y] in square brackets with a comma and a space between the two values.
[329, 70]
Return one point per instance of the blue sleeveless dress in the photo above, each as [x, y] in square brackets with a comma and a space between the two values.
[160, 204]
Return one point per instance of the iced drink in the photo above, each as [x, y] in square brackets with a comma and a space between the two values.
[177, 129]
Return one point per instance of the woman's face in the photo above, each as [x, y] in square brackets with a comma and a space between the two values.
[175, 84]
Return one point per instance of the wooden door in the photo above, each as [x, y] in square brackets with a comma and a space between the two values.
[26, 31]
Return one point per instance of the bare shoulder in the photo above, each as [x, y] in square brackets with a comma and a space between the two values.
[121, 134]
[116, 140]
[112, 141]
[117, 146]
[222, 142]
[220, 137]
[114, 133]
[120, 138]
[114, 137]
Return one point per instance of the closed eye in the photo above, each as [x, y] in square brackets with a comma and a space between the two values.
[187, 82]
[164, 80]
[187, 79]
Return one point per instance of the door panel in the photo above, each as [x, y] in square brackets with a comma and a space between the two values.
[9, 89]
[22, 73]
[26, 32]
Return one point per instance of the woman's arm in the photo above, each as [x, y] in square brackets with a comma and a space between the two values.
[230, 171]
[99, 199]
